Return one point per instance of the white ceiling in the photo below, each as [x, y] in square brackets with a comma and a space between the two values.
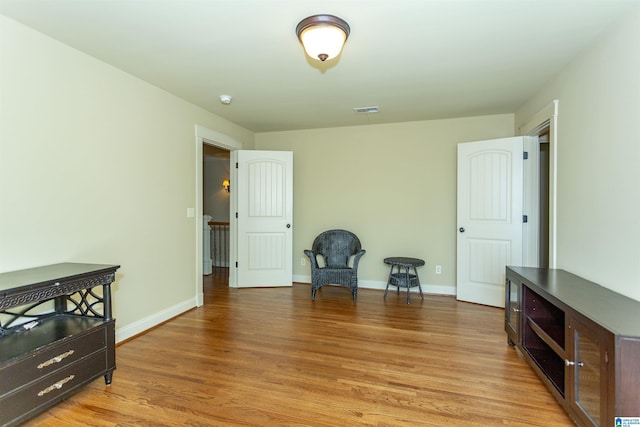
[415, 59]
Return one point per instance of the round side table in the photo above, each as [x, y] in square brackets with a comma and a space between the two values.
[403, 278]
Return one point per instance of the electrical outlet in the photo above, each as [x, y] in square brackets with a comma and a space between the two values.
[438, 269]
[303, 261]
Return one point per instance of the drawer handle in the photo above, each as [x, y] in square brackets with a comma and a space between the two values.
[56, 386]
[56, 359]
[568, 362]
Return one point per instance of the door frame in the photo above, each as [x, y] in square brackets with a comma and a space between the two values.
[204, 135]
[547, 117]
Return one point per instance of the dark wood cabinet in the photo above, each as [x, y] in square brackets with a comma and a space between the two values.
[56, 335]
[512, 309]
[582, 339]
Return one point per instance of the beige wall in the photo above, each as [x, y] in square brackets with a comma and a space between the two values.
[599, 159]
[393, 185]
[98, 166]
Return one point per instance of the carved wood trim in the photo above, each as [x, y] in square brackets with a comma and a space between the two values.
[50, 292]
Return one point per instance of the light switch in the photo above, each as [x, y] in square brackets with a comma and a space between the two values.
[191, 212]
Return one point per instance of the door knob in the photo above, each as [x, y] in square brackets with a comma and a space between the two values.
[288, 225]
[461, 229]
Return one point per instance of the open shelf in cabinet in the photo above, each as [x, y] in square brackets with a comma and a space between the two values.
[543, 337]
[42, 333]
[547, 316]
[547, 337]
[545, 356]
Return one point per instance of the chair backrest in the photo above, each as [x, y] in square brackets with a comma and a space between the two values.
[337, 246]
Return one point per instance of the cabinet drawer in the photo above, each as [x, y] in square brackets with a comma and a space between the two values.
[57, 356]
[29, 400]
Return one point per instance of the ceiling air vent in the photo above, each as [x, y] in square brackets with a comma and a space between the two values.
[366, 110]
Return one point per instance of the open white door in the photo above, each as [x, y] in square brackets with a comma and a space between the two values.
[264, 188]
[490, 201]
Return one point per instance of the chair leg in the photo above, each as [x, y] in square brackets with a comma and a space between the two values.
[313, 293]
[355, 295]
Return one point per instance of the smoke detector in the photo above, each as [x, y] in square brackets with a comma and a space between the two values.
[225, 99]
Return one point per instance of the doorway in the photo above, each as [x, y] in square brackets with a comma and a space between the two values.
[205, 136]
[543, 199]
[541, 186]
[215, 208]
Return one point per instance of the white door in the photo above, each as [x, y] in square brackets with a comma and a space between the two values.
[489, 217]
[264, 182]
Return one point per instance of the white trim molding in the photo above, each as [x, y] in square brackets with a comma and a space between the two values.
[548, 116]
[155, 319]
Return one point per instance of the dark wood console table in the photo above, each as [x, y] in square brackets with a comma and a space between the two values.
[56, 335]
[582, 339]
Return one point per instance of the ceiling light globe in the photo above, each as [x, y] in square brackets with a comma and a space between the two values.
[323, 42]
[323, 36]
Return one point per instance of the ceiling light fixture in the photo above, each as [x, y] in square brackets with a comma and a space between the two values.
[323, 36]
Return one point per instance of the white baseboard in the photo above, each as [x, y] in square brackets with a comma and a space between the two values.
[149, 322]
[374, 284]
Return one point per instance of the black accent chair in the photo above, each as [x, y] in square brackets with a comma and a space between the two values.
[330, 256]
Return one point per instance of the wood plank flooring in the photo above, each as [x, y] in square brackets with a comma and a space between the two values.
[272, 357]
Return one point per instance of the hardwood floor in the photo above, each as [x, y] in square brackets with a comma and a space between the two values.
[272, 357]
